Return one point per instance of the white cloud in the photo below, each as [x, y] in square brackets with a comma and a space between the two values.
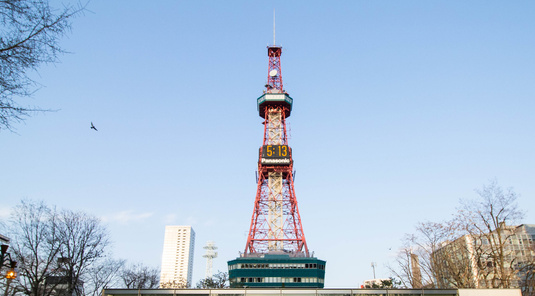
[124, 217]
[169, 219]
[174, 219]
[191, 220]
[210, 222]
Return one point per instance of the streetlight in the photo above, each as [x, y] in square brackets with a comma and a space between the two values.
[11, 273]
[5, 260]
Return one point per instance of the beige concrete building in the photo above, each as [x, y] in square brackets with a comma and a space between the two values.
[470, 261]
[177, 256]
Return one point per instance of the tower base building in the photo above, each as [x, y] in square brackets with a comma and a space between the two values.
[276, 271]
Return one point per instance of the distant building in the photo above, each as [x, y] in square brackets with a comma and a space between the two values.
[59, 286]
[177, 256]
[61, 283]
[469, 261]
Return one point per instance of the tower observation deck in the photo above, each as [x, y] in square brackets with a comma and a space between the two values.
[276, 253]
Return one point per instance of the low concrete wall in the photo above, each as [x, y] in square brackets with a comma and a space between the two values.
[490, 292]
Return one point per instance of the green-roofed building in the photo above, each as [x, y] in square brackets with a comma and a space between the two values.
[276, 270]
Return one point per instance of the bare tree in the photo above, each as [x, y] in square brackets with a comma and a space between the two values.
[181, 283]
[416, 267]
[217, 281]
[55, 248]
[402, 266]
[527, 269]
[444, 263]
[139, 276]
[473, 250]
[83, 243]
[35, 245]
[381, 284]
[104, 274]
[488, 218]
[452, 264]
[30, 34]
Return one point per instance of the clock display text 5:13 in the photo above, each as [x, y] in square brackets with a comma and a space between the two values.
[275, 151]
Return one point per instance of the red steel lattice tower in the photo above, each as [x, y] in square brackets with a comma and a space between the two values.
[275, 223]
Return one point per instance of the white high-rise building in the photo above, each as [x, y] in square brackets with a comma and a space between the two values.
[177, 256]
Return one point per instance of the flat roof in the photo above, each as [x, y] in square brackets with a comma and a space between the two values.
[312, 292]
[4, 239]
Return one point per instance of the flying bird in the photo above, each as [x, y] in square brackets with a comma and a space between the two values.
[93, 127]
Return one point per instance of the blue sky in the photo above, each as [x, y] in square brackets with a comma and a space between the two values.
[401, 108]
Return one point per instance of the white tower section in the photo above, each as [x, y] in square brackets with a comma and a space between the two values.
[209, 255]
[275, 215]
[177, 256]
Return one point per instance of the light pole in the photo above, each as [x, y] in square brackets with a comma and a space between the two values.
[5, 260]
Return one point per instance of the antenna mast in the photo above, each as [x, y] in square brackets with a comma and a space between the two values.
[274, 26]
[210, 255]
[274, 82]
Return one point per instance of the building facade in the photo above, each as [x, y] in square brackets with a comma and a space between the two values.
[502, 258]
[177, 256]
[276, 271]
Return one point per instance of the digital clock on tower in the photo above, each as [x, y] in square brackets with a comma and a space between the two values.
[276, 155]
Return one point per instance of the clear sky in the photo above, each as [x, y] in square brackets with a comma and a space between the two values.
[401, 108]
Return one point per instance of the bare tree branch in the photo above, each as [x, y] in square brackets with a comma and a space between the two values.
[105, 274]
[478, 248]
[36, 246]
[29, 37]
[138, 276]
[217, 281]
[56, 249]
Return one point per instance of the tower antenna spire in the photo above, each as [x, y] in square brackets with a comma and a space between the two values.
[274, 26]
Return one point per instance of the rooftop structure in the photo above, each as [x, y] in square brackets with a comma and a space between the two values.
[209, 255]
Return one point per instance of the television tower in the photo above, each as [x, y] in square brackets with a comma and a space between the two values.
[276, 223]
[276, 252]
